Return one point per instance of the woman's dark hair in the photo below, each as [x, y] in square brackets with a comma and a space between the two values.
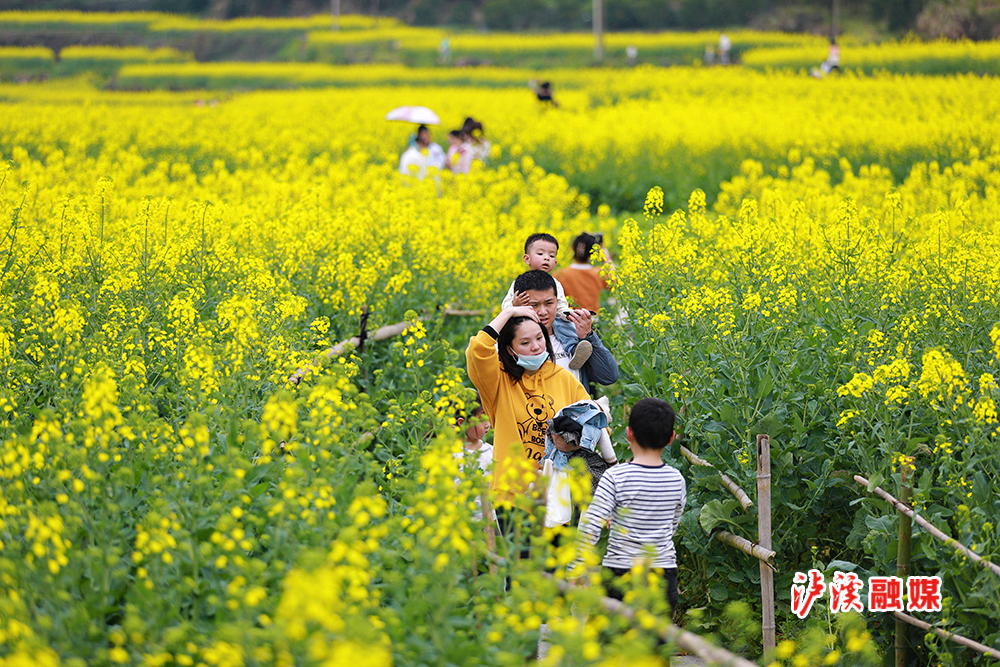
[506, 337]
[470, 126]
[582, 247]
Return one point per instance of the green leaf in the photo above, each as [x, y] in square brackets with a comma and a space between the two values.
[842, 565]
[926, 479]
[258, 473]
[881, 524]
[981, 488]
[765, 386]
[719, 592]
[797, 423]
[874, 480]
[716, 512]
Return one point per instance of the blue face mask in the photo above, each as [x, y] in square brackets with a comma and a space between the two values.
[532, 362]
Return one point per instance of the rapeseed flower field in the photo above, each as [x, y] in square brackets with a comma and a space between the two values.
[814, 260]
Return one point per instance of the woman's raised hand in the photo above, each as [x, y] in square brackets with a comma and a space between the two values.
[523, 311]
[513, 311]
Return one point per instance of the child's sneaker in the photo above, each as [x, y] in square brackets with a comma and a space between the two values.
[583, 351]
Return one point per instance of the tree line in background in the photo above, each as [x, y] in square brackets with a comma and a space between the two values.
[974, 19]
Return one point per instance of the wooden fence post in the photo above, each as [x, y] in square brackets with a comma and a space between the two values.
[903, 552]
[764, 539]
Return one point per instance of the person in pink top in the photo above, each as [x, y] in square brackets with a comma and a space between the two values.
[459, 158]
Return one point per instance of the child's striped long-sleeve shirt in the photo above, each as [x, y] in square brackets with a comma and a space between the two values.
[645, 505]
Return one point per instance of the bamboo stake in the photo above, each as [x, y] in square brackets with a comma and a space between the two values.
[383, 333]
[737, 492]
[903, 553]
[930, 528]
[958, 639]
[747, 547]
[491, 537]
[669, 632]
[764, 537]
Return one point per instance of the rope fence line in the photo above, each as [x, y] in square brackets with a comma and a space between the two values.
[381, 333]
[765, 556]
[738, 493]
[668, 632]
[944, 634]
[931, 528]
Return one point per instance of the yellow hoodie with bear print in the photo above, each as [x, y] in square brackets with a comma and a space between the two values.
[518, 409]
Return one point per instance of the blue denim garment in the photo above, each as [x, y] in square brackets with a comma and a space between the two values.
[591, 418]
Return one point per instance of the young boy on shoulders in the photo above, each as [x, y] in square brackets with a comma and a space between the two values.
[540, 251]
[643, 498]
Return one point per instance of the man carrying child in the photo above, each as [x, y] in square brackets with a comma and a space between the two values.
[539, 290]
[540, 251]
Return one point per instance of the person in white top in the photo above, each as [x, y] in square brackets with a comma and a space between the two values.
[423, 154]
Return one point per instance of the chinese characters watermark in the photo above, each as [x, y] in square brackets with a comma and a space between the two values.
[884, 593]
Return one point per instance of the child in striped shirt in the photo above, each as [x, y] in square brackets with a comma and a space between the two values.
[643, 498]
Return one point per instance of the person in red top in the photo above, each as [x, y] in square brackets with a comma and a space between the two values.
[581, 280]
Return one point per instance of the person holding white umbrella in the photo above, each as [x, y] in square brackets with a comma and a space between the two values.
[418, 157]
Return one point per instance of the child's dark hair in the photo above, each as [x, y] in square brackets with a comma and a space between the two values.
[539, 237]
[652, 423]
[506, 337]
[534, 280]
[470, 409]
[582, 246]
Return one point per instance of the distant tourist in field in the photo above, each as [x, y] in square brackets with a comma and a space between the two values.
[422, 154]
[832, 63]
[477, 140]
[725, 44]
[644, 499]
[543, 91]
[459, 157]
[581, 279]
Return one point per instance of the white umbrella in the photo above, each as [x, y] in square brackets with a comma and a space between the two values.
[421, 115]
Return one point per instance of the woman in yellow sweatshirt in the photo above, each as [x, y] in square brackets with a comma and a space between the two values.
[512, 365]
